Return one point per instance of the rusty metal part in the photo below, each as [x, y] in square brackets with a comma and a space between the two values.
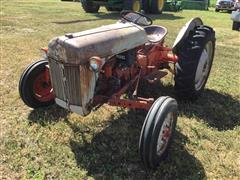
[73, 85]
[155, 76]
[133, 104]
[152, 57]
[108, 70]
[125, 87]
[103, 42]
[78, 61]
[137, 84]
[123, 73]
[139, 103]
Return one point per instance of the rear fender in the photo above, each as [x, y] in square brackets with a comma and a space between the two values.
[184, 32]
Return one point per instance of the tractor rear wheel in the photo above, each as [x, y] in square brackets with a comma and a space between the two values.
[195, 62]
[35, 88]
[89, 6]
[157, 131]
[133, 5]
[156, 6]
[145, 6]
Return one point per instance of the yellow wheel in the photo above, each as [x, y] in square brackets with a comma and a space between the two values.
[133, 5]
[160, 5]
[136, 6]
[156, 6]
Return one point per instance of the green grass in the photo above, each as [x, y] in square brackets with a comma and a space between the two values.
[212, 3]
[52, 143]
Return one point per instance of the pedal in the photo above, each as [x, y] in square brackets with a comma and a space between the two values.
[155, 76]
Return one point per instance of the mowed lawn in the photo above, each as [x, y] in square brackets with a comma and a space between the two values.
[53, 143]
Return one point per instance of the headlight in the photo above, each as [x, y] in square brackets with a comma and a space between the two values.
[96, 63]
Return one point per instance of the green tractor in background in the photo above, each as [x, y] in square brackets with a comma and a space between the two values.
[149, 6]
[92, 6]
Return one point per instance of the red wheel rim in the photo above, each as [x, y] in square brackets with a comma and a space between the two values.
[165, 133]
[42, 88]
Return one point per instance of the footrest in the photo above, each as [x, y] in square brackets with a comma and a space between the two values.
[155, 76]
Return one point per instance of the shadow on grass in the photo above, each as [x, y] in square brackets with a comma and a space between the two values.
[113, 152]
[116, 16]
[218, 110]
[47, 115]
[100, 16]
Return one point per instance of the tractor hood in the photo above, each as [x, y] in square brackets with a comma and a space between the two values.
[77, 48]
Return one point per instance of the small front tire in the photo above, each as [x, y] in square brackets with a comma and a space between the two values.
[34, 87]
[157, 131]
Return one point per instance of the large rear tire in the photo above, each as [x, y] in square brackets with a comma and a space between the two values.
[195, 62]
[89, 6]
[34, 89]
[157, 131]
[145, 6]
[156, 6]
[133, 5]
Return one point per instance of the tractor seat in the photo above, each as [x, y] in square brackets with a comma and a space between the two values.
[155, 33]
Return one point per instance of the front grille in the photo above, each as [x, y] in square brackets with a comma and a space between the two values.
[57, 76]
[65, 79]
[72, 74]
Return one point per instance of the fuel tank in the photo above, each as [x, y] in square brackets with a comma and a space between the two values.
[77, 48]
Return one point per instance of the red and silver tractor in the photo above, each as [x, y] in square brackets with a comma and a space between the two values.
[83, 70]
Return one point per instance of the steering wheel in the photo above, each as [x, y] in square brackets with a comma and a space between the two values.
[136, 18]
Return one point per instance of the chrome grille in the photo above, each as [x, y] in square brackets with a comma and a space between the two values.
[65, 80]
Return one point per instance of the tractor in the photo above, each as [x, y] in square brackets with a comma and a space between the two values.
[84, 70]
[149, 6]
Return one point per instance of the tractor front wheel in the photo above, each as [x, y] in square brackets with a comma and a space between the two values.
[195, 58]
[89, 6]
[157, 131]
[35, 87]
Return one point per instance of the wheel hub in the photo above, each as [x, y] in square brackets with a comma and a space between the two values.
[203, 66]
[42, 89]
[165, 134]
